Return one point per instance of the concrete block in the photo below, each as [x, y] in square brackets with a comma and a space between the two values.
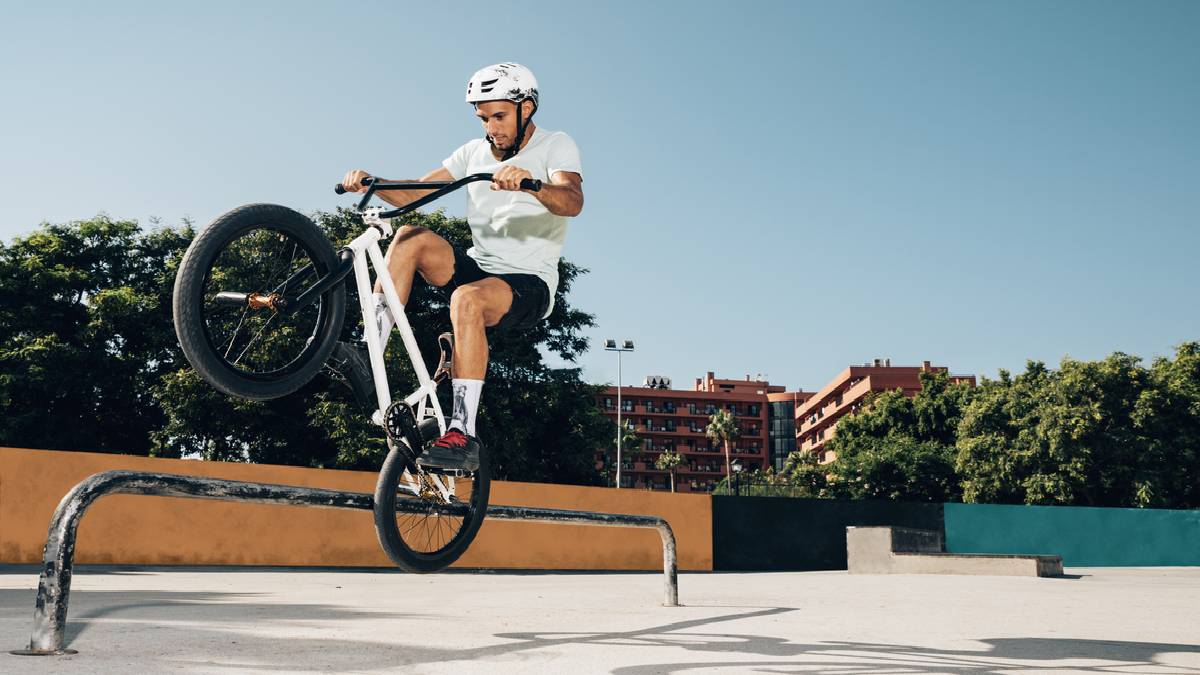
[897, 550]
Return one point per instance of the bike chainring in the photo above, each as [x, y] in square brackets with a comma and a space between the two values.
[400, 424]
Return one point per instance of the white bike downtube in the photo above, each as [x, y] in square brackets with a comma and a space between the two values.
[397, 307]
[362, 278]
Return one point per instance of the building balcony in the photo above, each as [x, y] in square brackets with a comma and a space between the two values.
[656, 430]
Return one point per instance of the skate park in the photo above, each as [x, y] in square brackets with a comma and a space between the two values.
[634, 338]
[190, 585]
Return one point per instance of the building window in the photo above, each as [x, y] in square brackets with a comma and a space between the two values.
[752, 410]
[608, 403]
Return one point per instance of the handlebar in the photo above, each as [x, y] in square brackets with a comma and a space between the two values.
[439, 188]
[531, 184]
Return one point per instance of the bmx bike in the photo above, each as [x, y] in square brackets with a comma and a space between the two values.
[259, 303]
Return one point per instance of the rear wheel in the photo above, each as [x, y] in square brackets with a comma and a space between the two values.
[230, 291]
[426, 521]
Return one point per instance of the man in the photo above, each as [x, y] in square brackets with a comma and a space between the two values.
[507, 279]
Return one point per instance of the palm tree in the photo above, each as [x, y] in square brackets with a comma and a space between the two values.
[631, 443]
[667, 462]
[722, 427]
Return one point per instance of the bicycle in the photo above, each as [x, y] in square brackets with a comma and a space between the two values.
[264, 266]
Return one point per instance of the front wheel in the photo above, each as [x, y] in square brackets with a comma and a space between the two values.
[230, 297]
[426, 522]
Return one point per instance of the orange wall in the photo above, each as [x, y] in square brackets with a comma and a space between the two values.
[129, 529]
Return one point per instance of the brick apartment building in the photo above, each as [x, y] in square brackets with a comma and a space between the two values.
[674, 420]
[817, 416]
[773, 422]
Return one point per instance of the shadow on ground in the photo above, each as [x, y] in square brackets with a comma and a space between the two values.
[174, 632]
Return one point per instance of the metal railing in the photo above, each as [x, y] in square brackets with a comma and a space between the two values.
[54, 586]
[746, 487]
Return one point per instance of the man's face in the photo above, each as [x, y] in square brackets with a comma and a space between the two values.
[499, 119]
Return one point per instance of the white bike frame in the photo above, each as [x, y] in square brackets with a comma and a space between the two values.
[424, 400]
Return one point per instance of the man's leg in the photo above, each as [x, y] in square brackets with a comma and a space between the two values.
[474, 307]
[413, 249]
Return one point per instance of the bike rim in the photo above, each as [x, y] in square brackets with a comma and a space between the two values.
[259, 342]
[431, 533]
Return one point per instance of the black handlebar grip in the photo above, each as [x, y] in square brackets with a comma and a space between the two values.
[341, 189]
[531, 184]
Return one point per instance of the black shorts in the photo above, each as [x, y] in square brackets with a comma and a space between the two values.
[531, 295]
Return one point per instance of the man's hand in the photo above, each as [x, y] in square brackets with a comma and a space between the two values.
[509, 178]
[352, 182]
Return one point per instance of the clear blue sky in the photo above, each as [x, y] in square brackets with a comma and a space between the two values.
[783, 188]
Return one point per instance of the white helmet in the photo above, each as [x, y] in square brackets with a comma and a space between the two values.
[503, 82]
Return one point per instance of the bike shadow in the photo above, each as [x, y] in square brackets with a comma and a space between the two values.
[197, 623]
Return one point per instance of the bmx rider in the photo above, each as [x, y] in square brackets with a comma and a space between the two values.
[506, 281]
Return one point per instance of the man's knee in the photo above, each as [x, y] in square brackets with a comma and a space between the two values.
[432, 255]
[411, 237]
[467, 303]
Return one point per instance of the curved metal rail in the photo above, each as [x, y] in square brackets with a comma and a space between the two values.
[54, 586]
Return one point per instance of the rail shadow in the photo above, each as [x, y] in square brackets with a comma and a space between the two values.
[230, 640]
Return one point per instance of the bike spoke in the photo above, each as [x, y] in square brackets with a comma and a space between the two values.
[256, 336]
[233, 338]
[434, 530]
[260, 262]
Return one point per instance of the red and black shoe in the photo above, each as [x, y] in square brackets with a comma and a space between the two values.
[454, 450]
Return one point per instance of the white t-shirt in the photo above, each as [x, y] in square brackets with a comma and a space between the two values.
[512, 232]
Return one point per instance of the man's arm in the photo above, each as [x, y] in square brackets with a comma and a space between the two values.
[562, 196]
[353, 183]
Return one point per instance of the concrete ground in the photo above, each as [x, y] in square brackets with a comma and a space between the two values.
[279, 621]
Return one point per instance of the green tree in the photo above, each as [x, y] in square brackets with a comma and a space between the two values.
[804, 473]
[897, 468]
[722, 427]
[85, 334]
[631, 443]
[900, 447]
[1096, 433]
[89, 360]
[631, 447]
[1168, 414]
[669, 461]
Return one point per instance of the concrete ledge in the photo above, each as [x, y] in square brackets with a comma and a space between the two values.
[898, 550]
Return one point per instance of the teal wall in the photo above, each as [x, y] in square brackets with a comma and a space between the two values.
[1083, 536]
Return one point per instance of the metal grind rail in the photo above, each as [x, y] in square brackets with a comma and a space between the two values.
[54, 586]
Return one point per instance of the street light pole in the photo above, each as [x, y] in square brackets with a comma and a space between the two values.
[611, 346]
[620, 429]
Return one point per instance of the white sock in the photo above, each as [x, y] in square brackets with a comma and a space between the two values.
[466, 404]
[383, 319]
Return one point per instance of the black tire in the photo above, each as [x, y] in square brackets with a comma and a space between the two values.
[248, 251]
[427, 542]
